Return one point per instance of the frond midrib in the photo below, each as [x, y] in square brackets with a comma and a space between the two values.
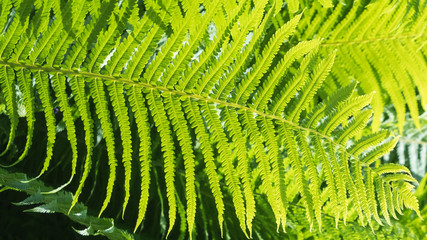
[177, 92]
[370, 40]
[410, 141]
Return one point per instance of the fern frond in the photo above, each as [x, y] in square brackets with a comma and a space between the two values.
[368, 142]
[249, 122]
[340, 181]
[24, 84]
[343, 112]
[310, 88]
[278, 168]
[330, 180]
[231, 179]
[99, 97]
[382, 199]
[136, 101]
[77, 51]
[361, 191]
[43, 86]
[392, 168]
[78, 90]
[306, 196]
[292, 87]
[273, 80]
[184, 56]
[182, 133]
[121, 111]
[225, 59]
[235, 100]
[311, 175]
[249, 84]
[174, 43]
[159, 114]
[125, 49]
[370, 191]
[354, 126]
[59, 85]
[4, 14]
[376, 42]
[207, 57]
[232, 124]
[196, 121]
[59, 48]
[331, 104]
[7, 83]
[379, 151]
[227, 85]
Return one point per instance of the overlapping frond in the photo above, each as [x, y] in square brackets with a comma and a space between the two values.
[411, 150]
[381, 44]
[250, 109]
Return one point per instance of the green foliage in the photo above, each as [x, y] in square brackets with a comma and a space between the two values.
[411, 150]
[59, 202]
[216, 111]
[380, 44]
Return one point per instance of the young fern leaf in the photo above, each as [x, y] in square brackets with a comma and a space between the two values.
[207, 56]
[351, 187]
[327, 108]
[173, 44]
[382, 200]
[170, 77]
[226, 86]
[361, 191]
[341, 181]
[292, 87]
[371, 195]
[355, 126]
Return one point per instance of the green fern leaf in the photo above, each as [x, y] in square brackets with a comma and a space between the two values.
[196, 120]
[97, 88]
[136, 101]
[160, 117]
[178, 121]
[7, 83]
[222, 93]
[121, 111]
